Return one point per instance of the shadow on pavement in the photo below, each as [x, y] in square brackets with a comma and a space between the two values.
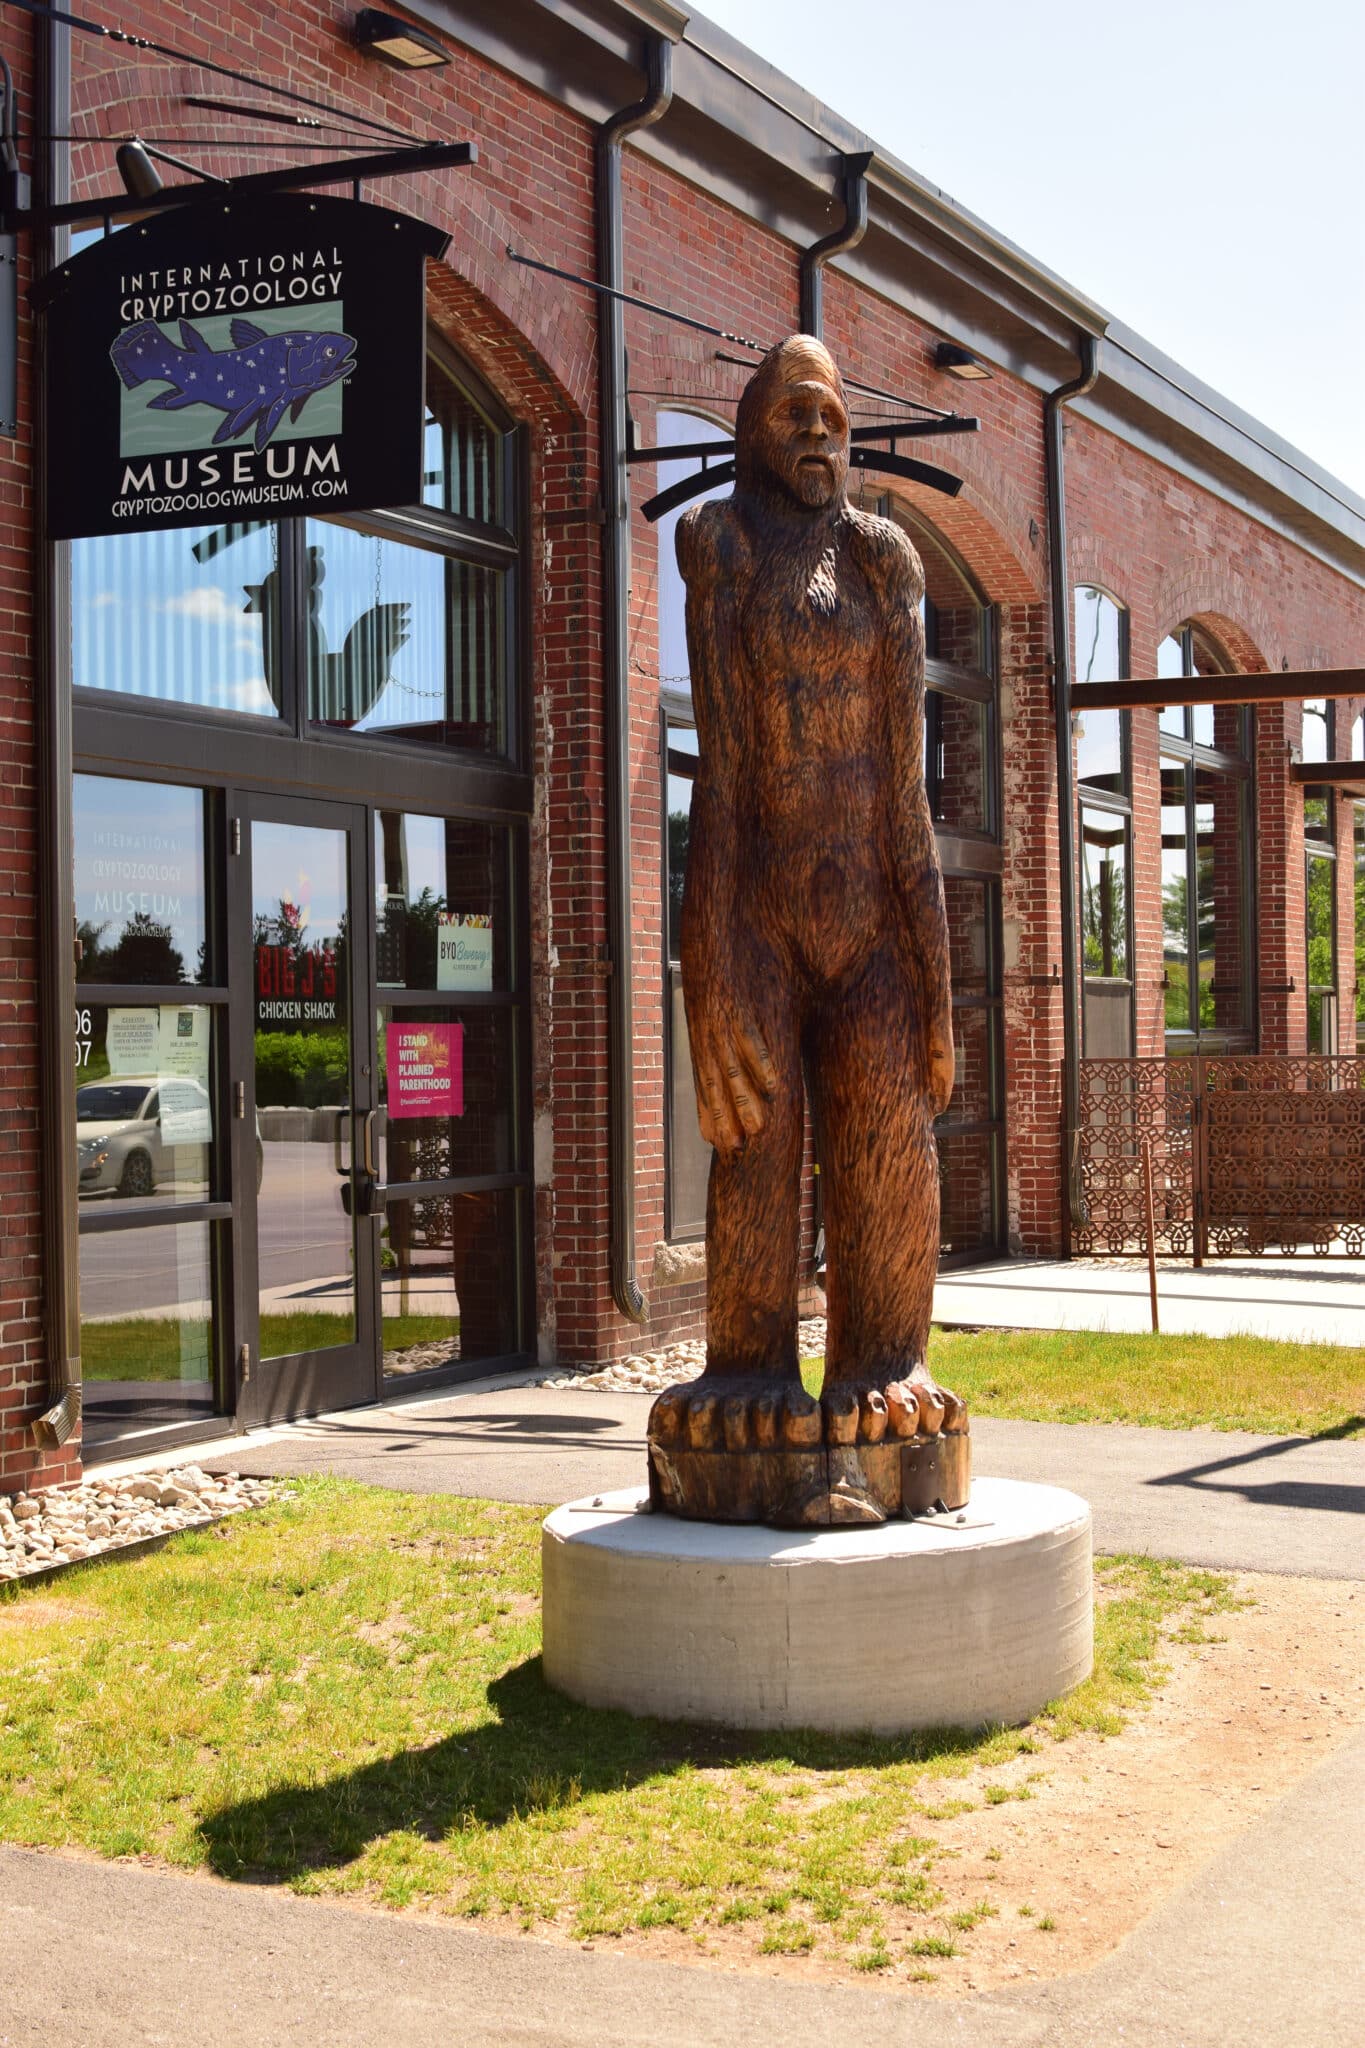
[1335, 1496]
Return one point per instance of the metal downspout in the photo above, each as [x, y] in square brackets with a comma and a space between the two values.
[1089, 352]
[52, 736]
[813, 260]
[611, 349]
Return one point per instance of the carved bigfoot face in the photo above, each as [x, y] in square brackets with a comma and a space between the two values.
[793, 424]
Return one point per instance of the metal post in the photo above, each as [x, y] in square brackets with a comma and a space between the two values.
[1151, 1229]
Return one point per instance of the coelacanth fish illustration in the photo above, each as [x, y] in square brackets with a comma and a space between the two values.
[253, 382]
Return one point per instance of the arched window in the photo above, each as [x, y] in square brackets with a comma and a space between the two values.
[1105, 832]
[1206, 866]
[687, 1155]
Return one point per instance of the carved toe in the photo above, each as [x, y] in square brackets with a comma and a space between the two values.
[735, 1423]
[763, 1420]
[800, 1424]
[704, 1422]
[954, 1412]
[902, 1407]
[840, 1406]
[667, 1417]
[873, 1416]
[931, 1408]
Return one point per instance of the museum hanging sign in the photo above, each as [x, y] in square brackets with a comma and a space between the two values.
[239, 359]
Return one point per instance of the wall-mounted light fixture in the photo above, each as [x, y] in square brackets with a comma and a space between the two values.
[959, 362]
[399, 43]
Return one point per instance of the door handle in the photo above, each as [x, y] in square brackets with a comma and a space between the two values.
[367, 1141]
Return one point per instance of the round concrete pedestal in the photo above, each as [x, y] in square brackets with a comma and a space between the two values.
[981, 1616]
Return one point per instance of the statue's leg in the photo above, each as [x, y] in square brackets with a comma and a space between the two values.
[749, 1399]
[879, 1168]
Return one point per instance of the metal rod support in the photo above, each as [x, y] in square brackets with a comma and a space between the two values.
[893, 431]
[387, 163]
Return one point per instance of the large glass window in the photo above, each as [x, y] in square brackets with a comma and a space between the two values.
[139, 882]
[405, 642]
[189, 617]
[1321, 920]
[1101, 657]
[442, 903]
[150, 1147]
[1105, 832]
[687, 1155]
[404, 619]
[1206, 867]
[466, 456]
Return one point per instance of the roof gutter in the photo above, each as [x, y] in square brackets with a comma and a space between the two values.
[1089, 351]
[611, 351]
[813, 260]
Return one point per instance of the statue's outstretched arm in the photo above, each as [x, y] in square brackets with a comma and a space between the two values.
[919, 876]
[731, 1064]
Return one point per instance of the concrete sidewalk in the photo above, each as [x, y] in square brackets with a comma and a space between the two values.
[1264, 1946]
[1318, 1301]
[1208, 1497]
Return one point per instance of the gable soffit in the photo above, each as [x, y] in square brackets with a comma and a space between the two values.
[743, 132]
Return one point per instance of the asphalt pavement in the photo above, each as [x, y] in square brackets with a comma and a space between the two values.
[1207, 1497]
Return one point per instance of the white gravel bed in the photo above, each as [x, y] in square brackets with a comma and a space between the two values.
[649, 1372]
[62, 1524]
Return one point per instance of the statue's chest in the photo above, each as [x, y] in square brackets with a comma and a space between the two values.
[809, 616]
[812, 639]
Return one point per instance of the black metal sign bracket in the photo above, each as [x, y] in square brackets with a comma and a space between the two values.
[388, 163]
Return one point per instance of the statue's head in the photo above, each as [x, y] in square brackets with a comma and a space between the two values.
[791, 433]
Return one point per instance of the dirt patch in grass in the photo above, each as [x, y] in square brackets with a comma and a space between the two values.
[1095, 1832]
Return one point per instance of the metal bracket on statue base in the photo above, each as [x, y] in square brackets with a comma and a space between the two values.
[825, 1486]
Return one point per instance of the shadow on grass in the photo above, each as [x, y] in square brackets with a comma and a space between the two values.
[540, 1754]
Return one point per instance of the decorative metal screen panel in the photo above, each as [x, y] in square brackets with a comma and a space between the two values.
[1252, 1155]
[1124, 1105]
[1284, 1155]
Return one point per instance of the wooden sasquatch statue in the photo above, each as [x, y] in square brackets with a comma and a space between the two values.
[814, 940]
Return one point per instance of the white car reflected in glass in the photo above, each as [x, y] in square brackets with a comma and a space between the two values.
[122, 1147]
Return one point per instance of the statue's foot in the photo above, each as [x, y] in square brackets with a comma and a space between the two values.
[749, 1412]
[870, 1410]
[758, 1448]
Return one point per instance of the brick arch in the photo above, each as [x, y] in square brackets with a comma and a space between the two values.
[1226, 607]
[1091, 561]
[985, 526]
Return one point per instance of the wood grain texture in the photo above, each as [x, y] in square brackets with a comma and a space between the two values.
[814, 960]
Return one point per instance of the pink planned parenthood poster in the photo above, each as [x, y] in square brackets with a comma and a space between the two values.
[426, 1069]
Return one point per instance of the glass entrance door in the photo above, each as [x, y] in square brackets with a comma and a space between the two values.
[302, 1111]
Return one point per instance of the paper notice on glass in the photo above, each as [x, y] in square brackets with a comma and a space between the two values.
[183, 1071]
[131, 1043]
[464, 951]
[426, 1069]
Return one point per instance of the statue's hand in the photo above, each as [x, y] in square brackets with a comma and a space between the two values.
[735, 1076]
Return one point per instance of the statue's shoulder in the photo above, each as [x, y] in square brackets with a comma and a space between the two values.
[887, 557]
[713, 544]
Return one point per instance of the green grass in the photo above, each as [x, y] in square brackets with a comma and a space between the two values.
[343, 1694]
[149, 1347]
[1250, 1383]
